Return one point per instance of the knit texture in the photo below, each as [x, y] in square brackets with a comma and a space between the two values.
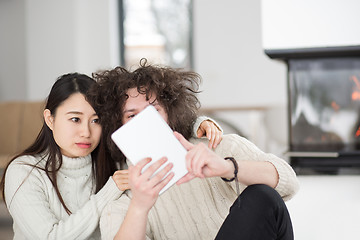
[196, 210]
[36, 209]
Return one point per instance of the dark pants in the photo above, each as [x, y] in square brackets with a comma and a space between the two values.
[259, 213]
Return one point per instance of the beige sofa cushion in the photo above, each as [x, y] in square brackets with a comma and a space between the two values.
[10, 118]
[20, 122]
[30, 124]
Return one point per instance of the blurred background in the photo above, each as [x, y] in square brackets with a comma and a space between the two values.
[226, 42]
[41, 40]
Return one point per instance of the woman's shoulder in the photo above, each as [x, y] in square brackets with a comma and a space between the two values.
[26, 161]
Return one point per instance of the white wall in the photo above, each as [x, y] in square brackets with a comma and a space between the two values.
[12, 50]
[230, 57]
[50, 49]
[291, 24]
[50, 38]
[43, 39]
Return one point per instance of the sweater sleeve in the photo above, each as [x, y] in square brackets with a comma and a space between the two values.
[242, 149]
[113, 216]
[31, 203]
[200, 119]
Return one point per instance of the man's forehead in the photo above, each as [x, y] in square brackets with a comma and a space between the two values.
[134, 93]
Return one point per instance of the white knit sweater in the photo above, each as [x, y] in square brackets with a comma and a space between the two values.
[196, 210]
[35, 206]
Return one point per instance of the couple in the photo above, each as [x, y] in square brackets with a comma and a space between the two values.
[197, 208]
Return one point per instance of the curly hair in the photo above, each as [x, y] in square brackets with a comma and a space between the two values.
[175, 91]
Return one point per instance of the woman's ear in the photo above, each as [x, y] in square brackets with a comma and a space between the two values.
[49, 119]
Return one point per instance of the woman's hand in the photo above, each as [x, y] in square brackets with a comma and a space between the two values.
[121, 178]
[211, 131]
[203, 162]
[144, 186]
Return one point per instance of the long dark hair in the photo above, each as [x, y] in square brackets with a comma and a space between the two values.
[175, 90]
[63, 88]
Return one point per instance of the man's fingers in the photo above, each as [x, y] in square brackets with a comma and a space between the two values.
[161, 174]
[185, 178]
[153, 168]
[165, 181]
[140, 165]
[186, 144]
[198, 161]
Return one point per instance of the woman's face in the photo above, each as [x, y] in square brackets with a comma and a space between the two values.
[137, 102]
[75, 126]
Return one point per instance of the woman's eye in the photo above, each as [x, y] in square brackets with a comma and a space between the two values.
[75, 119]
[96, 120]
[132, 115]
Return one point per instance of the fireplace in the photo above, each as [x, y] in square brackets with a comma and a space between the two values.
[322, 53]
[323, 107]
[324, 112]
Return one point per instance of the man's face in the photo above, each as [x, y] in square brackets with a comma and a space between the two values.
[137, 102]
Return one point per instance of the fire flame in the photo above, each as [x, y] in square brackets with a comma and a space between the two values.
[356, 96]
[356, 93]
[335, 106]
[357, 134]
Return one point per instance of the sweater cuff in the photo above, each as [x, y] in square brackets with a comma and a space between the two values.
[108, 193]
[288, 184]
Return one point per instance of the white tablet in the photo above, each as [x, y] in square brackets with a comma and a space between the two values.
[148, 135]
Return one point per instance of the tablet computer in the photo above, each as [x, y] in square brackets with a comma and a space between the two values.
[148, 135]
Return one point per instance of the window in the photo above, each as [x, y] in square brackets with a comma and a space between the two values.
[159, 30]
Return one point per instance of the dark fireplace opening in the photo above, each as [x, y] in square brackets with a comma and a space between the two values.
[324, 113]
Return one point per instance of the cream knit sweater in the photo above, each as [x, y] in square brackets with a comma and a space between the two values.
[196, 210]
[36, 209]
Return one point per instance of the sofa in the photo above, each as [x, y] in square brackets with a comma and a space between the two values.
[20, 123]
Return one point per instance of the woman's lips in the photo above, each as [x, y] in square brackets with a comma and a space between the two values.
[83, 145]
